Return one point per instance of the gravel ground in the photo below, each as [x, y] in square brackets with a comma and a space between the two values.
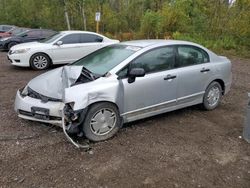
[184, 148]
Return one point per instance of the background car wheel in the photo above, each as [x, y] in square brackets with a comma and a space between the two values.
[212, 96]
[102, 122]
[40, 61]
[11, 44]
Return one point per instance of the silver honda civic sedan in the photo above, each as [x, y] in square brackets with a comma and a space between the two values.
[125, 82]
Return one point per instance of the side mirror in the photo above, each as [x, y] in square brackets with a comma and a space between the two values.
[135, 72]
[59, 43]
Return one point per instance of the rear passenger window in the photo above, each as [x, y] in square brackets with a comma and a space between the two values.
[71, 39]
[86, 38]
[156, 60]
[190, 55]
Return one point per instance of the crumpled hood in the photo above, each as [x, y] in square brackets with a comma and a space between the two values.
[53, 83]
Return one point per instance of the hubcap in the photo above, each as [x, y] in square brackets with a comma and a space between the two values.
[40, 62]
[213, 96]
[103, 121]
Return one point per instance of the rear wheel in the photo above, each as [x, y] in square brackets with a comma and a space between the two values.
[102, 122]
[212, 96]
[40, 61]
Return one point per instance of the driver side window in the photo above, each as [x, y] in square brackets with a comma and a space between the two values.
[71, 39]
[156, 60]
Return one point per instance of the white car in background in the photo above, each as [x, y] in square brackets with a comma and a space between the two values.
[62, 48]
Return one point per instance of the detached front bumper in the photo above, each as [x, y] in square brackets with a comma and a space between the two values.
[34, 109]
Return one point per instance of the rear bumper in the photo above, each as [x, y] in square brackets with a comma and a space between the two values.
[24, 106]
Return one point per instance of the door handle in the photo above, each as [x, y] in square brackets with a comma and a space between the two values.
[205, 70]
[170, 77]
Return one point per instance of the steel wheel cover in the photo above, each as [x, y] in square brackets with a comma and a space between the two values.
[213, 96]
[103, 121]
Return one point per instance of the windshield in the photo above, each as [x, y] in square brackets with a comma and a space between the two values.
[22, 33]
[102, 61]
[51, 38]
[17, 31]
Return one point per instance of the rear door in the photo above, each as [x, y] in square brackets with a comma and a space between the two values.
[89, 44]
[195, 69]
[157, 89]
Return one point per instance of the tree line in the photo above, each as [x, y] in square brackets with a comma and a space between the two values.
[213, 23]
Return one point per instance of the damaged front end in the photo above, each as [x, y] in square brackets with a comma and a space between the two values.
[62, 96]
[73, 119]
[43, 99]
[71, 124]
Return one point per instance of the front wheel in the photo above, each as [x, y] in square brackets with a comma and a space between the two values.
[212, 96]
[102, 122]
[11, 44]
[39, 61]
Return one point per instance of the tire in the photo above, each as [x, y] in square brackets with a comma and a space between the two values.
[212, 96]
[11, 44]
[40, 61]
[94, 126]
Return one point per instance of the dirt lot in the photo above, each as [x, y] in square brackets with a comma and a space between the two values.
[185, 148]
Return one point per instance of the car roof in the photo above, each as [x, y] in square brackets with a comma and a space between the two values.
[78, 31]
[22, 28]
[8, 25]
[28, 30]
[151, 42]
[40, 30]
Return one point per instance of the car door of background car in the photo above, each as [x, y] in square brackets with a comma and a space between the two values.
[31, 36]
[90, 43]
[69, 50]
[194, 70]
[75, 46]
[155, 91]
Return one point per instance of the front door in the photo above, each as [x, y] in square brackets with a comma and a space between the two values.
[68, 51]
[157, 89]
